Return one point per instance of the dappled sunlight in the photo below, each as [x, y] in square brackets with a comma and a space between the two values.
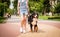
[44, 31]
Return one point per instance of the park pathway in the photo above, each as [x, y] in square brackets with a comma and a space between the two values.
[47, 28]
[14, 19]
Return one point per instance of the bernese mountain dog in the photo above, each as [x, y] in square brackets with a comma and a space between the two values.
[32, 20]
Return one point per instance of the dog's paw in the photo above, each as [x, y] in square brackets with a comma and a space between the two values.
[35, 29]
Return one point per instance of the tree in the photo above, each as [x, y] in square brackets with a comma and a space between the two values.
[15, 4]
[11, 11]
[4, 5]
[57, 9]
[7, 2]
[46, 6]
[3, 8]
[36, 5]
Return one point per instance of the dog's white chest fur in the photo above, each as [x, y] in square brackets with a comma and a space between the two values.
[34, 21]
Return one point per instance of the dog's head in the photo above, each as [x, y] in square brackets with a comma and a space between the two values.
[35, 15]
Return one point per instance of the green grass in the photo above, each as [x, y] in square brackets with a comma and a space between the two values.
[56, 18]
[43, 17]
[2, 19]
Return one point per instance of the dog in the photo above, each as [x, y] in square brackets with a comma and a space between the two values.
[32, 20]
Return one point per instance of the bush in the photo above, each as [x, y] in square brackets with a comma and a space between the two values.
[55, 18]
[2, 19]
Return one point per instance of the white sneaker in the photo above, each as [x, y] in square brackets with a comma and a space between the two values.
[24, 31]
[21, 30]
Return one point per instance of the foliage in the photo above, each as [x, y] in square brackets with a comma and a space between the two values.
[39, 5]
[7, 2]
[2, 19]
[11, 11]
[35, 5]
[46, 5]
[15, 4]
[4, 5]
[57, 8]
[3, 8]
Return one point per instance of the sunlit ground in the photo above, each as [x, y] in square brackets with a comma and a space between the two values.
[44, 31]
[46, 28]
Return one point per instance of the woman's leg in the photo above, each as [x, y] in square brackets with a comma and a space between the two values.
[21, 27]
[24, 27]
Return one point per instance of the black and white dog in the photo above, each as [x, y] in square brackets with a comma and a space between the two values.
[32, 20]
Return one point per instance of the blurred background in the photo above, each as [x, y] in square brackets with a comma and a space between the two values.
[48, 21]
[47, 9]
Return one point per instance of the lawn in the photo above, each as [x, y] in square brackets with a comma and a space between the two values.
[2, 19]
[56, 18]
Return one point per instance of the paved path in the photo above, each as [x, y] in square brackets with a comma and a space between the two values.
[46, 28]
[14, 19]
